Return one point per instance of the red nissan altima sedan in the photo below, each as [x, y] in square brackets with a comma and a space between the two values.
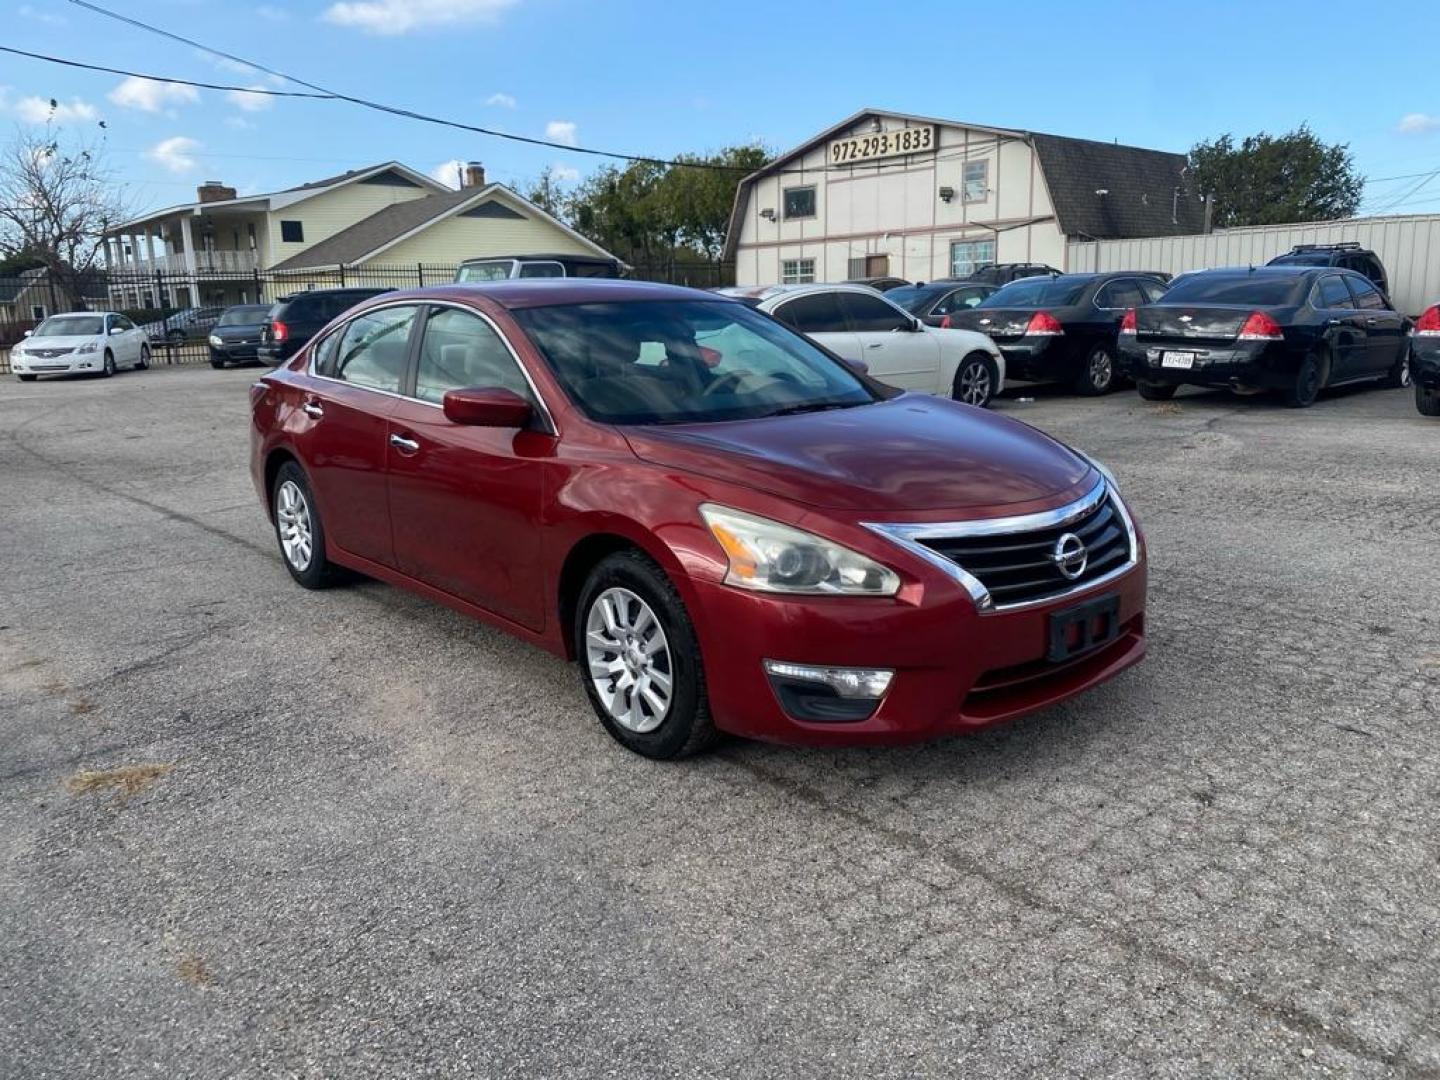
[727, 527]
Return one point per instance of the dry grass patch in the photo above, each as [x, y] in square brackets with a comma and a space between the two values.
[123, 782]
[193, 970]
[1166, 408]
[81, 706]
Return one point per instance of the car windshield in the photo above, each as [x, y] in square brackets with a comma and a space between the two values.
[913, 297]
[685, 361]
[244, 316]
[485, 271]
[1230, 289]
[1036, 292]
[71, 326]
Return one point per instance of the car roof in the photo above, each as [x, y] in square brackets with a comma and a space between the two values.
[1283, 270]
[546, 256]
[766, 293]
[517, 293]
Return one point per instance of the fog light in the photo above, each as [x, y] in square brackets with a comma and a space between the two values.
[828, 694]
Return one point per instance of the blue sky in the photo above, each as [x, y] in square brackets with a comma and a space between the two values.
[664, 78]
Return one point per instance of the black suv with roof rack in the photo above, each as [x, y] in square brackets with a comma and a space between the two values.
[1348, 256]
[295, 319]
[1004, 273]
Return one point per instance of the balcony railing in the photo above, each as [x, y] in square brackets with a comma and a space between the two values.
[206, 262]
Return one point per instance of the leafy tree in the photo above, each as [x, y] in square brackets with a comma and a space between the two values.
[1276, 179]
[57, 198]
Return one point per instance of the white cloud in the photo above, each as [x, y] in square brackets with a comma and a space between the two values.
[175, 153]
[1418, 123]
[562, 131]
[504, 101]
[28, 11]
[402, 16]
[239, 123]
[38, 110]
[273, 13]
[448, 173]
[151, 96]
[564, 174]
[249, 101]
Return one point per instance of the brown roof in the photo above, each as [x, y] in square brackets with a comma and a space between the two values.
[352, 244]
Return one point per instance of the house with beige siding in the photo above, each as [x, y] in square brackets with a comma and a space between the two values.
[885, 193]
[216, 249]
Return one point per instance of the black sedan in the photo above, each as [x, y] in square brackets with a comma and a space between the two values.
[1061, 328]
[236, 335]
[934, 303]
[1294, 329]
[1425, 361]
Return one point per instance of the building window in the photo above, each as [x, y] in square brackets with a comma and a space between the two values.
[38, 313]
[977, 180]
[799, 202]
[967, 256]
[797, 271]
[292, 232]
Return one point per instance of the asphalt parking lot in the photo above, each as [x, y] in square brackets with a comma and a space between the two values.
[393, 842]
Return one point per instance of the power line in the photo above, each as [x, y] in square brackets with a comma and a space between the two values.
[164, 79]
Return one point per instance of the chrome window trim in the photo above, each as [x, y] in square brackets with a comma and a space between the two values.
[910, 536]
[545, 413]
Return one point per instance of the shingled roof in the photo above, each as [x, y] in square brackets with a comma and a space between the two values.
[1141, 189]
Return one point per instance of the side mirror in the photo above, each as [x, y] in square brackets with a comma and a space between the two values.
[117, 330]
[29, 332]
[860, 367]
[486, 406]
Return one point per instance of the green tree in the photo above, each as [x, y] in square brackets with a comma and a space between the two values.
[1276, 179]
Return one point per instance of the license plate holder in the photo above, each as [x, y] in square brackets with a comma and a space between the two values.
[1083, 628]
[1172, 359]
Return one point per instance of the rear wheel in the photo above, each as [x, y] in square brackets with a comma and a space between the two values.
[1301, 394]
[1427, 401]
[299, 530]
[1097, 376]
[975, 380]
[1156, 391]
[640, 659]
[1398, 377]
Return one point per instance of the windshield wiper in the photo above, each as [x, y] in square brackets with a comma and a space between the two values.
[815, 406]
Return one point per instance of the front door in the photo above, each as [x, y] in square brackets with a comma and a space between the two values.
[896, 352]
[358, 372]
[1344, 328]
[464, 500]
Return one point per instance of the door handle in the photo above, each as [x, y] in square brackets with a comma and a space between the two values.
[1372, 320]
[313, 409]
[875, 345]
[404, 445]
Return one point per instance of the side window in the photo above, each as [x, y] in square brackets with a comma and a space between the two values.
[959, 300]
[818, 313]
[460, 349]
[322, 355]
[1333, 293]
[541, 269]
[1367, 296]
[870, 314]
[374, 347]
[1120, 293]
[1152, 290]
[122, 323]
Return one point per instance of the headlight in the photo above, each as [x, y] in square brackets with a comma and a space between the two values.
[769, 557]
[89, 346]
[215, 341]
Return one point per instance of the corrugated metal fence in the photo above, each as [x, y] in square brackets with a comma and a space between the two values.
[1409, 246]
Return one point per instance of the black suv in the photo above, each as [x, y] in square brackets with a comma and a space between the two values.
[1347, 256]
[1004, 273]
[294, 320]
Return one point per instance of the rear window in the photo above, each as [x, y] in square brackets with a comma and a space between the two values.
[1036, 292]
[244, 316]
[913, 297]
[1258, 291]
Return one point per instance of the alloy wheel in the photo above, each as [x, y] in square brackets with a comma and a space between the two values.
[1403, 379]
[1102, 369]
[629, 660]
[975, 384]
[292, 521]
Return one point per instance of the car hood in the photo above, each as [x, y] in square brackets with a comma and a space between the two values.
[238, 330]
[63, 341]
[911, 453]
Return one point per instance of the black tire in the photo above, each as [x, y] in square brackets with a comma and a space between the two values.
[318, 572]
[1097, 375]
[686, 727]
[109, 368]
[1156, 391]
[27, 378]
[1309, 379]
[1398, 377]
[144, 364]
[975, 380]
[1427, 401]
[216, 363]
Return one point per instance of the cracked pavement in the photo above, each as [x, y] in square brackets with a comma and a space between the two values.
[395, 842]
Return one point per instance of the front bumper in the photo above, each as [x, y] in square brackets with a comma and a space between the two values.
[956, 670]
[1425, 361]
[235, 352]
[69, 364]
[1259, 364]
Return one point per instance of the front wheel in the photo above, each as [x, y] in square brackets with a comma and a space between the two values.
[1301, 394]
[1097, 376]
[640, 659]
[216, 362]
[1427, 401]
[1398, 377]
[975, 380]
[144, 363]
[299, 529]
[27, 378]
[109, 368]
[1156, 391]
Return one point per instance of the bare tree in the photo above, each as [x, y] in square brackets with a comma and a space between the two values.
[57, 198]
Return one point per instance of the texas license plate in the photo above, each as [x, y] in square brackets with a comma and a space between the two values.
[1077, 630]
[1177, 359]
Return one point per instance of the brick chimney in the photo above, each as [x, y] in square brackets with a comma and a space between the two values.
[214, 191]
[472, 175]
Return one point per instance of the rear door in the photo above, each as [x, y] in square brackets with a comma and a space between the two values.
[817, 315]
[896, 352]
[1344, 327]
[1384, 327]
[465, 500]
[356, 374]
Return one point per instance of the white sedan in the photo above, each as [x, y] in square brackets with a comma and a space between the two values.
[858, 324]
[84, 341]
